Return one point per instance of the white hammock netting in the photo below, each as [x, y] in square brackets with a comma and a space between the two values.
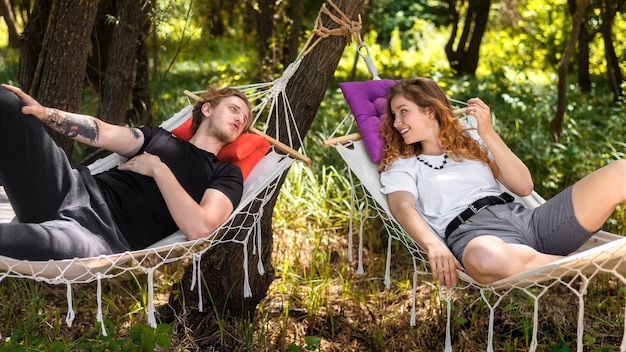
[243, 226]
[604, 253]
[271, 107]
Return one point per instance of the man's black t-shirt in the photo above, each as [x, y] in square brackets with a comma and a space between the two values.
[135, 201]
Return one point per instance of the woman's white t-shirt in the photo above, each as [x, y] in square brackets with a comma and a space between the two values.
[440, 194]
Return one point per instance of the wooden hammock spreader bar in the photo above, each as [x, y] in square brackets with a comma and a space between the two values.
[356, 136]
[342, 140]
[276, 143]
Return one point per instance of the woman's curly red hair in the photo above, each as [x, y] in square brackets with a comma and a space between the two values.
[427, 94]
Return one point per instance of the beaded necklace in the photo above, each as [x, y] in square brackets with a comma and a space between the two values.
[445, 161]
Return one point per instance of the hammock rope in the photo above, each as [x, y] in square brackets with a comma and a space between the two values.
[346, 27]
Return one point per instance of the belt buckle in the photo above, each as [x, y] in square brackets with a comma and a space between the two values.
[473, 208]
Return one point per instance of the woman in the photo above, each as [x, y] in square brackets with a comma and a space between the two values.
[441, 182]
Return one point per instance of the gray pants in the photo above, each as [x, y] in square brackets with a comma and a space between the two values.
[551, 228]
[60, 211]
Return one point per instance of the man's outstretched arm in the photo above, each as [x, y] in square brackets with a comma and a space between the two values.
[86, 129]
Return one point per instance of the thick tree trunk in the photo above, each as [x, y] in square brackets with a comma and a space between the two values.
[557, 122]
[118, 66]
[113, 65]
[265, 31]
[464, 58]
[296, 13]
[584, 78]
[53, 59]
[584, 40]
[222, 266]
[217, 22]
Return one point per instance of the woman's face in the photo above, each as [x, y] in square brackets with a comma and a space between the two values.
[413, 122]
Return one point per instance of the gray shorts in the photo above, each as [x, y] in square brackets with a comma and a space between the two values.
[551, 228]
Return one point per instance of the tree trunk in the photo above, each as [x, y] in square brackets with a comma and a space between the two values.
[117, 42]
[557, 122]
[584, 40]
[464, 59]
[6, 10]
[118, 66]
[217, 23]
[613, 71]
[296, 13]
[584, 79]
[265, 31]
[222, 265]
[53, 59]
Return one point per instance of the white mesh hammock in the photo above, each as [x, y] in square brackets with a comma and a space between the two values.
[270, 103]
[243, 226]
[604, 253]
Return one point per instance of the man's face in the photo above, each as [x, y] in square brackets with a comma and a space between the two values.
[228, 119]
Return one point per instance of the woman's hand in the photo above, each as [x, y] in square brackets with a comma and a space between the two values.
[513, 173]
[442, 261]
[443, 265]
[477, 108]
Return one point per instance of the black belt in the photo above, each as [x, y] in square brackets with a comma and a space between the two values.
[475, 208]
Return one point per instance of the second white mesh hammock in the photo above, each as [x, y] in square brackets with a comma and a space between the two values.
[603, 253]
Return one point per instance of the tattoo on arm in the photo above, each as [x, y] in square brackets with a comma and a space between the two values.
[135, 132]
[73, 125]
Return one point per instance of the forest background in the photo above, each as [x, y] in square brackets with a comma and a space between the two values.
[317, 300]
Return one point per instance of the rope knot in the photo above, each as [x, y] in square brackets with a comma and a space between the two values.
[346, 27]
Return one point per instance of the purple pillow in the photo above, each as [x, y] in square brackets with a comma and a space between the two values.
[368, 102]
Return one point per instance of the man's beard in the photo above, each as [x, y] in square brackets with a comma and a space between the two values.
[223, 134]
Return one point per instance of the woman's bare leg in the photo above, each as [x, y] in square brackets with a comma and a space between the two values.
[596, 196]
[487, 259]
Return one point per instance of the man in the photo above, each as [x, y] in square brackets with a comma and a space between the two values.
[167, 184]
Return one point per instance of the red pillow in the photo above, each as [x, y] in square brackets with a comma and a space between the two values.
[184, 131]
[245, 151]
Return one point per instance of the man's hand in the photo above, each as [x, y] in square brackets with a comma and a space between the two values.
[31, 106]
[145, 164]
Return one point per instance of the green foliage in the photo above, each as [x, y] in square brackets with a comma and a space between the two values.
[311, 344]
[402, 16]
[562, 347]
[140, 337]
[8, 65]
[529, 37]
